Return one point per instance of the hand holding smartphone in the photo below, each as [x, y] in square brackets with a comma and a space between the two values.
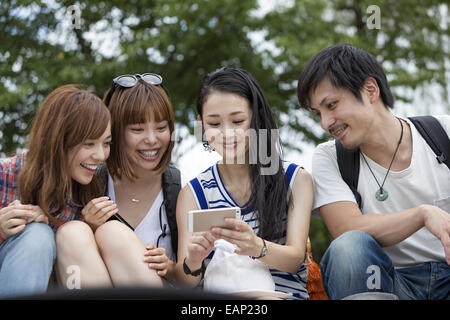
[204, 220]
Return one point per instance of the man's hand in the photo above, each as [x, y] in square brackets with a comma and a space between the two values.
[437, 222]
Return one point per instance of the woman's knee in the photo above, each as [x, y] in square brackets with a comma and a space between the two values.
[113, 235]
[74, 234]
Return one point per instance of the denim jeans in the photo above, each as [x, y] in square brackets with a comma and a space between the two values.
[26, 261]
[356, 263]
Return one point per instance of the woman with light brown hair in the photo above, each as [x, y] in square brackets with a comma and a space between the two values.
[50, 184]
[138, 248]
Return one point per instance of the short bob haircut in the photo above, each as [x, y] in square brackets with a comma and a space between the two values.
[346, 67]
[136, 105]
[67, 117]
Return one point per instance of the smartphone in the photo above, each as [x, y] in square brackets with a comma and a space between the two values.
[204, 220]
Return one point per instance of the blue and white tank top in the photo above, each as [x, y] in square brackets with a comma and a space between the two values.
[210, 193]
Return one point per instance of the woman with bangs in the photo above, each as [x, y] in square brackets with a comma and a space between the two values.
[138, 246]
[49, 184]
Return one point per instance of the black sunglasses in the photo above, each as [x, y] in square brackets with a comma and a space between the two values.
[129, 80]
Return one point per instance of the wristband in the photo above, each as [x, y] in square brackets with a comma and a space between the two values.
[195, 272]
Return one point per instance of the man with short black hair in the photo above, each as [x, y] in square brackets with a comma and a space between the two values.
[398, 240]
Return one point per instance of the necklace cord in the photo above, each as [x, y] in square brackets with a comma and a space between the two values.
[392, 161]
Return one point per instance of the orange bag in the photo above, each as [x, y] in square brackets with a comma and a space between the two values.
[314, 283]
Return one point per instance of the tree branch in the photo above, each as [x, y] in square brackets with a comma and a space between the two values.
[84, 45]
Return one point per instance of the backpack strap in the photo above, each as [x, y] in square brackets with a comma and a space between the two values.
[431, 131]
[348, 161]
[171, 185]
[102, 172]
[171, 180]
[436, 137]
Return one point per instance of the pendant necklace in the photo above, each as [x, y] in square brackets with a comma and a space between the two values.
[132, 199]
[383, 194]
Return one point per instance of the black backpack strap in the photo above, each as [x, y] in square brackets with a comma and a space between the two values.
[171, 180]
[171, 187]
[102, 172]
[348, 162]
[436, 137]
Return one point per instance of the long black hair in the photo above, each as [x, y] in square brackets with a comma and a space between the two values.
[268, 197]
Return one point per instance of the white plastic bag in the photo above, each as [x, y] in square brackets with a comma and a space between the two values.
[228, 272]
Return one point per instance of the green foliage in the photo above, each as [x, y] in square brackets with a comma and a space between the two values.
[320, 238]
[184, 40]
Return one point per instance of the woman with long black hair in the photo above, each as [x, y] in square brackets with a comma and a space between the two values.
[275, 196]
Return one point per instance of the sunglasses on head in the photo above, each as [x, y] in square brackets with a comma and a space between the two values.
[129, 80]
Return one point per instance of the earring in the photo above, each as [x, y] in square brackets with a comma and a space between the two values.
[208, 147]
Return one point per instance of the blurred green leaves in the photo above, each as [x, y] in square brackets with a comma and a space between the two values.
[183, 40]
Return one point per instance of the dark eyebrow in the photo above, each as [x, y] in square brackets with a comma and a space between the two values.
[231, 114]
[323, 101]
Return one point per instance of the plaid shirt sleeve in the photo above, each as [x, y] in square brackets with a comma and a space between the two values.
[9, 170]
[9, 191]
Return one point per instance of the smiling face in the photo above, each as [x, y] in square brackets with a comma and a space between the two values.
[342, 114]
[146, 143]
[84, 159]
[226, 120]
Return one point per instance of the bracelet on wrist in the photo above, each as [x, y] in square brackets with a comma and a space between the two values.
[194, 273]
[263, 251]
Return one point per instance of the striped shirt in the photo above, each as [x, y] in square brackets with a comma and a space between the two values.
[210, 193]
[9, 191]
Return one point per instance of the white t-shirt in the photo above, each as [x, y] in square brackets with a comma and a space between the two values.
[425, 181]
[149, 229]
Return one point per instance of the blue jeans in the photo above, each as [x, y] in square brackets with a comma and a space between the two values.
[356, 263]
[26, 261]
